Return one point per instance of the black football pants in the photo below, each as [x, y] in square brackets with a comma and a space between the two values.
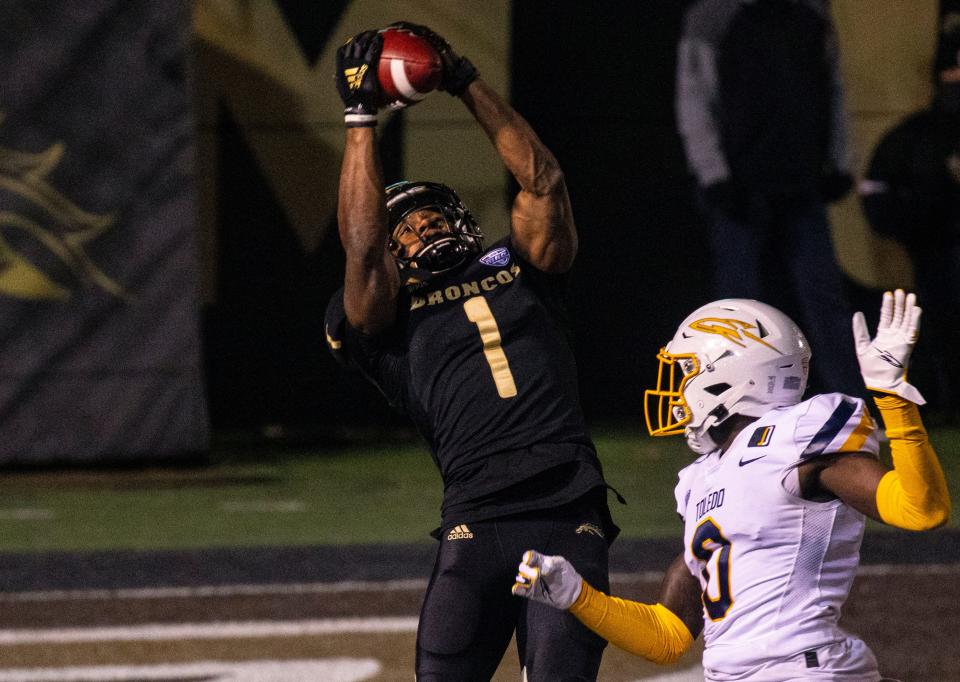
[469, 613]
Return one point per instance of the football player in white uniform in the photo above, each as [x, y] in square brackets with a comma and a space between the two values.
[774, 507]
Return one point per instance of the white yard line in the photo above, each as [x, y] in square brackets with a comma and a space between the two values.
[26, 514]
[253, 590]
[329, 670]
[155, 632]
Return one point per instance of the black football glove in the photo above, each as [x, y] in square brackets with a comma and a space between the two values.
[458, 72]
[356, 78]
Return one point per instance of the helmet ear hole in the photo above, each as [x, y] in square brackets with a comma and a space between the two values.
[717, 389]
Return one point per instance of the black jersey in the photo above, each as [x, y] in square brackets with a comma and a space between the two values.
[480, 360]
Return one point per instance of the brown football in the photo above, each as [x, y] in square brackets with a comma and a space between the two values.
[409, 68]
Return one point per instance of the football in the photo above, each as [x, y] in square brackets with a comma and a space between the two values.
[409, 68]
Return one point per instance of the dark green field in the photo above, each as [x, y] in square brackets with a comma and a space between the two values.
[366, 493]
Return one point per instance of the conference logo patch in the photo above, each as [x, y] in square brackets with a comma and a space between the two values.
[498, 257]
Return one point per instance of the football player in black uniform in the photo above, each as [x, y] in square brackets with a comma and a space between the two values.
[471, 342]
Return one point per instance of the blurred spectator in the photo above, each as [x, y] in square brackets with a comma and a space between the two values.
[760, 110]
[912, 194]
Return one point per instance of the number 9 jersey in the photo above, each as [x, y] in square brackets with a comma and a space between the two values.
[480, 359]
[775, 568]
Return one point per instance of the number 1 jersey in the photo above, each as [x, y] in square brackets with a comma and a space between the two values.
[480, 359]
[775, 569]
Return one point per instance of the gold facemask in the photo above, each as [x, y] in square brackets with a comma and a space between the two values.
[671, 410]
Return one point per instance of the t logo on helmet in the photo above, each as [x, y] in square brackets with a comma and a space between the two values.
[731, 329]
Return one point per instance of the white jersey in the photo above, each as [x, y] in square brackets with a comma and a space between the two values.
[775, 569]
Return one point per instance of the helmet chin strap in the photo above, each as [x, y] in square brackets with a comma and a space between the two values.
[700, 441]
[698, 438]
[435, 258]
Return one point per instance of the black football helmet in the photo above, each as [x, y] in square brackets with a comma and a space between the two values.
[442, 251]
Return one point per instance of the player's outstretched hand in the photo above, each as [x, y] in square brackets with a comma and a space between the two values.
[356, 78]
[884, 359]
[458, 72]
[551, 580]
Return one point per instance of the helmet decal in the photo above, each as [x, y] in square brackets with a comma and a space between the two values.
[733, 330]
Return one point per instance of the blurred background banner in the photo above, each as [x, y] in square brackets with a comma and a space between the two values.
[99, 302]
[117, 170]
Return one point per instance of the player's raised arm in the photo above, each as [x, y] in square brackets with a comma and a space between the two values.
[660, 632]
[542, 220]
[913, 495]
[371, 282]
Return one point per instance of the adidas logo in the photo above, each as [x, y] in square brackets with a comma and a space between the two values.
[460, 532]
[355, 76]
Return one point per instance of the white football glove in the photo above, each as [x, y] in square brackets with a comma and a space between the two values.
[884, 360]
[551, 580]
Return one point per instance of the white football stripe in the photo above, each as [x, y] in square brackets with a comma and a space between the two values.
[399, 75]
[216, 630]
[26, 514]
[242, 590]
[330, 669]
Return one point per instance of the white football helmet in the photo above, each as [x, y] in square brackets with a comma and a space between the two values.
[734, 356]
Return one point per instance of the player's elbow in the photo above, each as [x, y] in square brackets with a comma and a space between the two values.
[547, 179]
[555, 255]
[670, 657]
[937, 516]
[929, 517]
[668, 653]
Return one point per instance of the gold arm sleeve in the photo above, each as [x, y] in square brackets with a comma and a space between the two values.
[651, 631]
[914, 494]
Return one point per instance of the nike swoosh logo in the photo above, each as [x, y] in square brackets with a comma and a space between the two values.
[888, 358]
[744, 462]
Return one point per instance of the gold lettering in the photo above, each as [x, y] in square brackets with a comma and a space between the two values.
[478, 311]
[453, 293]
[471, 288]
[504, 277]
[434, 298]
[417, 302]
[488, 284]
[515, 269]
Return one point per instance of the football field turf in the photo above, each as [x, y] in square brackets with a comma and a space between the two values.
[301, 564]
[387, 492]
